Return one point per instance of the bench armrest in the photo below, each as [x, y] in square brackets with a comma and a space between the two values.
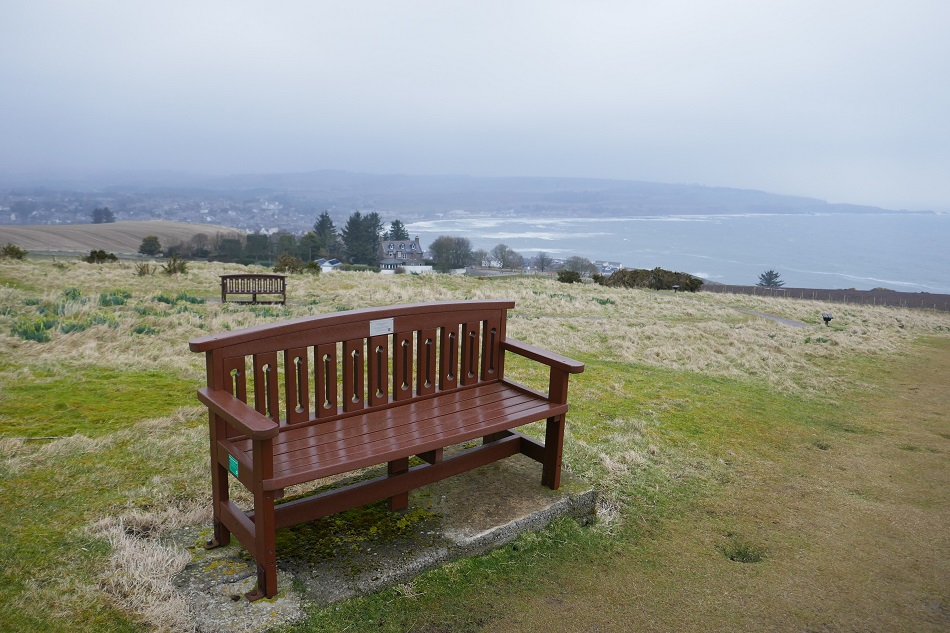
[550, 359]
[238, 414]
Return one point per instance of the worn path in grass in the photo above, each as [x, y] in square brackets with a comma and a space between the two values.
[852, 525]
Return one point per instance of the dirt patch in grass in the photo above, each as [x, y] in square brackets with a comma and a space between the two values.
[849, 533]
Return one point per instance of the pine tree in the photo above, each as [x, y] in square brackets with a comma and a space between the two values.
[373, 232]
[326, 241]
[770, 279]
[397, 231]
[361, 238]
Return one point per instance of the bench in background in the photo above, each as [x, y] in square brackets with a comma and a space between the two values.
[251, 287]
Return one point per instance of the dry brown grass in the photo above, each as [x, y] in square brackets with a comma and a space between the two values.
[139, 579]
[687, 332]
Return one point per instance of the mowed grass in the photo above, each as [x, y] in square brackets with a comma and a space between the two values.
[673, 440]
[89, 403]
[699, 424]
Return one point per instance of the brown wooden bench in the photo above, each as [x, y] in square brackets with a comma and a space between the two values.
[250, 287]
[317, 396]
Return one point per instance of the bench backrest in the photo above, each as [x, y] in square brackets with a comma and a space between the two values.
[317, 368]
[251, 284]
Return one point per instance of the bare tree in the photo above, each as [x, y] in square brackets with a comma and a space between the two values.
[507, 257]
[200, 245]
[542, 261]
[481, 257]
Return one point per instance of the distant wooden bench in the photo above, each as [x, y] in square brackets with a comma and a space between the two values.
[415, 379]
[250, 287]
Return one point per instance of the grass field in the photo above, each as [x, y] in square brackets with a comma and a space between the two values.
[753, 476]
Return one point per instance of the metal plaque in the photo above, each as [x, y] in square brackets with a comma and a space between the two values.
[379, 327]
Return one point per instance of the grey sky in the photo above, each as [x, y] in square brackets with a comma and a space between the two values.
[847, 101]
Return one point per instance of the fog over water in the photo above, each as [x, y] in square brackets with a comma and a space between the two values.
[845, 101]
[906, 252]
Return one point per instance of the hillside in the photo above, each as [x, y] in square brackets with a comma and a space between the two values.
[752, 476]
[116, 237]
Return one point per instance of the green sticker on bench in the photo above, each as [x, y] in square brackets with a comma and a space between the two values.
[233, 465]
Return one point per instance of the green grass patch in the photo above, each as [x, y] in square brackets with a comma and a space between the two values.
[187, 298]
[33, 329]
[742, 550]
[72, 294]
[114, 298]
[49, 567]
[182, 296]
[18, 281]
[93, 402]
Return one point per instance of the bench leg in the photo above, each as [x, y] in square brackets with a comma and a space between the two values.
[219, 495]
[398, 467]
[553, 445]
[265, 546]
[222, 535]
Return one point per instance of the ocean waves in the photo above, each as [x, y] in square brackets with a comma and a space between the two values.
[864, 251]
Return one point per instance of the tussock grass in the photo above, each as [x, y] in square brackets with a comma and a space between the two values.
[678, 389]
[139, 578]
[692, 332]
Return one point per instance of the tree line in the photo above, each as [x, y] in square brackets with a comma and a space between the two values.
[451, 252]
[356, 243]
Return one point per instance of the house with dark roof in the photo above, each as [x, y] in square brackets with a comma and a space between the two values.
[395, 254]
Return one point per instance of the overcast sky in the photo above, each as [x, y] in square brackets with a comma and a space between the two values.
[848, 101]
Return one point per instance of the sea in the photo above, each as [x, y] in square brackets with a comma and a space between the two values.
[904, 251]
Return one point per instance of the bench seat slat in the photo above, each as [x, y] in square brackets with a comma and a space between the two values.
[419, 440]
[324, 447]
[349, 424]
[321, 450]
